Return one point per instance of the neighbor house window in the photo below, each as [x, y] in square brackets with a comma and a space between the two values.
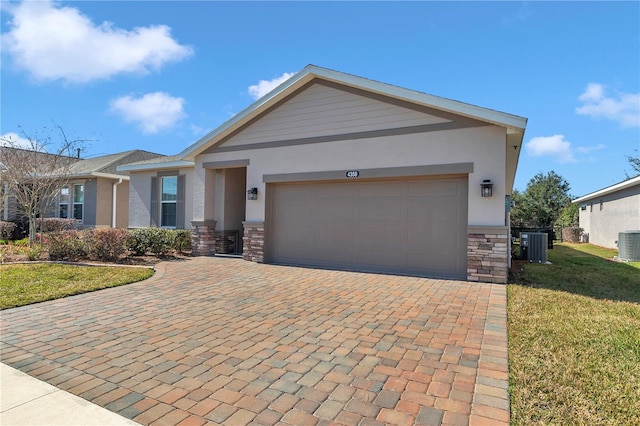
[78, 201]
[70, 206]
[63, 210]
[169, 197]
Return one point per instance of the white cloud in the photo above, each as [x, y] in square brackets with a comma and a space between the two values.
[52, 42]
[152, 112]
[265, 86]
[623, 108]
[554, 146]
[559, 148]
[588, 149]
[14, 140]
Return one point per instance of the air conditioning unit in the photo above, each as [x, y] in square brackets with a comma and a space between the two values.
[533, 246]
[629, 246]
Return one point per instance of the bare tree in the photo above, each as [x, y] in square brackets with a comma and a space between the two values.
[33, 170]
[634, 162]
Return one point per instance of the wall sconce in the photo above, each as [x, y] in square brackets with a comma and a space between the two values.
[252, 194]
[486, 188]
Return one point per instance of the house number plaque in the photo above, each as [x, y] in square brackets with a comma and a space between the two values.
[353, 174]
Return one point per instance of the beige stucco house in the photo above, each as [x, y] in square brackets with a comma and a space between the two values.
[338, 171]
[605, 213]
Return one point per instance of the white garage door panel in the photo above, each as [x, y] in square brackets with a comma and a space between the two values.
[415, 225]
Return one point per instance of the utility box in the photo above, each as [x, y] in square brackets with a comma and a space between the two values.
[629, 246]
[533, 246]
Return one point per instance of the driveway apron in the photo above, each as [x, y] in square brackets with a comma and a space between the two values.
[225, 341]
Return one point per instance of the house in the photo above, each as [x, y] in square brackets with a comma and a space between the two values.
[30, 160]
[94, 193]
[607, 212]
[338, 171]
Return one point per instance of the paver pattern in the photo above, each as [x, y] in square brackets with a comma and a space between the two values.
[225, 341]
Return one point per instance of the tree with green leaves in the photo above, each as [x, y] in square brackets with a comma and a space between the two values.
[542, 202]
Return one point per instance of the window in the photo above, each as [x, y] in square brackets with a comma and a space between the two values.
[169, 197]
[76, 201]
[64, 203]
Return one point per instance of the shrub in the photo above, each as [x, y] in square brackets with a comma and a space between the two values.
[158, 241]
[67, 245]
[571, 234]
[54, 224]
[34, 252]
[107, 244]
[6, 230]
[182, 239]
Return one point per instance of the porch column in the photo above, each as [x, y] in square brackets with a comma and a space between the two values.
[488, 254]
[253, 241]
[203, 237]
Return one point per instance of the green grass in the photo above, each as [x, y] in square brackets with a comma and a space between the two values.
[30, 283]
[574, 339]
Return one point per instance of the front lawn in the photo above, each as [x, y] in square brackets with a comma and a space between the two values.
[574, 339]
[23, 284]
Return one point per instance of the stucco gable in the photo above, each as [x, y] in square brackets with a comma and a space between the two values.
[312, 74]
[324, 111]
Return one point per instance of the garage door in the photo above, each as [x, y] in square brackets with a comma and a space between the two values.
[409, 226]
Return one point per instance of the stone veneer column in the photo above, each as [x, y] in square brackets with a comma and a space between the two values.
[203, 238]
[253, 241]
[488, 254]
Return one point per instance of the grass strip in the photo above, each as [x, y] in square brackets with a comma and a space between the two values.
[574, 339]
[23, 284]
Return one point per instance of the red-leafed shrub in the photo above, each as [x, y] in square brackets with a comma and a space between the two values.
[108, 244]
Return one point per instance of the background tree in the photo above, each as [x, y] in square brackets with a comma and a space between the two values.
[33, 170]
[542, 202]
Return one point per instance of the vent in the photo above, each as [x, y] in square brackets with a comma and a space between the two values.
[629, 246]
[533, 246]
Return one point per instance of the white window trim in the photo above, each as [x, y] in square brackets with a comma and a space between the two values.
[73, 197]
[60, 203]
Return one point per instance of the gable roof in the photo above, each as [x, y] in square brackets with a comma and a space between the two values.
[107, 165]
[166, 162]
[609, 189]
[515, 125]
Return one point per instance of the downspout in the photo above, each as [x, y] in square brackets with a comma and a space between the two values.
[114, 206]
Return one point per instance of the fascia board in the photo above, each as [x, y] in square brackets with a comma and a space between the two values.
[109, 176]
[609, 190]
[155, 166]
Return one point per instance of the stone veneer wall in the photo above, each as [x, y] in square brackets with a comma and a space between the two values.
[253, 241]
[203, 238]
[488, 254]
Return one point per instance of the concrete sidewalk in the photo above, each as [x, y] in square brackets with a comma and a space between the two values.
[25, 400]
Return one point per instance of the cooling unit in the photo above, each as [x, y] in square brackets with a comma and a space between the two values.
[629, 246]
[533, 246]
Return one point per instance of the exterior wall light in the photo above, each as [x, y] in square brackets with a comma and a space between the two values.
[486, 188]
[252, 194]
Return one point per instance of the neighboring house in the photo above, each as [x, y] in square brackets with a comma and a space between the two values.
[8, 208]
[607, 212]
[96, 194]
[338, 171]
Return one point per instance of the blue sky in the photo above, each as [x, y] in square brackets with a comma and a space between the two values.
[159, 75]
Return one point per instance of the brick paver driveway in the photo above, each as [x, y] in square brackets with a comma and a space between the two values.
[213, 340]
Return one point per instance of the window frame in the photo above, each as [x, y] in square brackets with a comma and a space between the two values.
[63, 200]
[164, 202]
[69, 200]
